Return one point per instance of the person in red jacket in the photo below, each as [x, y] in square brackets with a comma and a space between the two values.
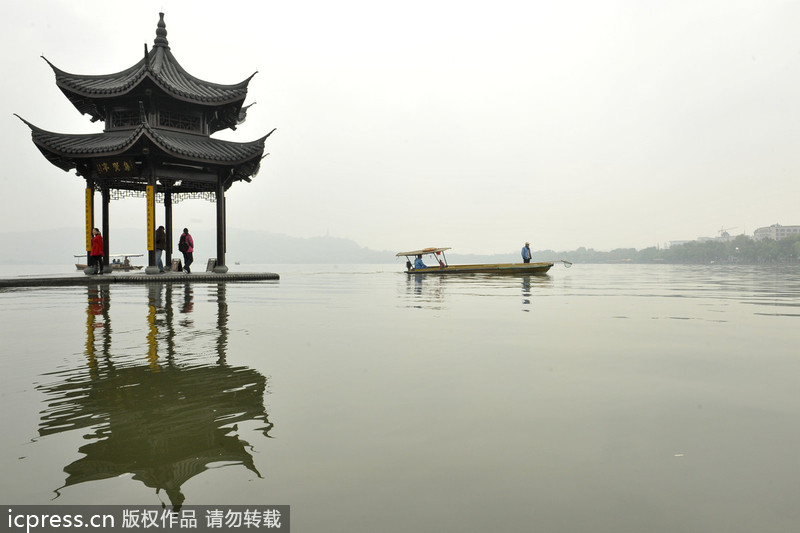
[96, 255]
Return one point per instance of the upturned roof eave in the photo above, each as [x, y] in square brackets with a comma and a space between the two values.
[255, 149]
[155, 136]
[128, 80]
[123, 143]
[164, 58]
[186, 97]
[135, 74]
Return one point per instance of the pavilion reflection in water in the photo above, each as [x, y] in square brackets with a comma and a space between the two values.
[158, 417]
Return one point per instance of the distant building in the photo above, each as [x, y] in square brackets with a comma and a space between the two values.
[723, 237]
[775, 232]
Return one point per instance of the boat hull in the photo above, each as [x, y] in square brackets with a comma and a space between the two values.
[491, 268]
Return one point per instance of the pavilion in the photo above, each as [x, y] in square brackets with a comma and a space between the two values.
[156, 142]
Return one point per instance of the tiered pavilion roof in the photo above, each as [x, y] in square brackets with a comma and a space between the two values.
[157, 137]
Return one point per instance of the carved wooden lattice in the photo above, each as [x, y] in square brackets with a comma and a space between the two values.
[178, 121]
[177, 197]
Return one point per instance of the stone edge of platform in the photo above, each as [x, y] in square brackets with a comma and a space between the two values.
[56, 281]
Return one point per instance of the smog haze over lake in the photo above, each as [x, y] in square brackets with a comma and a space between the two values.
[599, 398]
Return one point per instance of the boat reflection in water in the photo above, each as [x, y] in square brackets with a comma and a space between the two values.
[431, 292]
[164, 415]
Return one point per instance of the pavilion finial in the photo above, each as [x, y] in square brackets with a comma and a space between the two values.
[161, 33]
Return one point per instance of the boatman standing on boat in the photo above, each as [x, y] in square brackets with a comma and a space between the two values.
[526, 253]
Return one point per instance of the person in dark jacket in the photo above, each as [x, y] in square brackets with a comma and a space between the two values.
[161, 245]
[186, 246]
[96, 254]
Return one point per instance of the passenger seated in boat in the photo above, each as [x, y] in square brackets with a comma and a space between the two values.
[418, 262]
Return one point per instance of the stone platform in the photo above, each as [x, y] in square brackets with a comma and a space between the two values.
[79, 278]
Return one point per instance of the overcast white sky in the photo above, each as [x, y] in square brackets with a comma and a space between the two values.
[476, 125]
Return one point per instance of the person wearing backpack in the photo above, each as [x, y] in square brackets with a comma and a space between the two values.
[186, 247]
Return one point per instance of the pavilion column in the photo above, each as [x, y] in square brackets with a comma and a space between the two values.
[168, 228]
[89, 220]
[106, 237]
[150, 198]
[220, 197]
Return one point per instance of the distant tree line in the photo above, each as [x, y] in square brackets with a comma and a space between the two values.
[741, 249]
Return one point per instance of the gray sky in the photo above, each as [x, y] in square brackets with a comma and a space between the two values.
[476, 125]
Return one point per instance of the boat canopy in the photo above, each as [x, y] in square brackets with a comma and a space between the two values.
[422, 252]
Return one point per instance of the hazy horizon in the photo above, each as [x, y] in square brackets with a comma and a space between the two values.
[597, 124]
[247, 247]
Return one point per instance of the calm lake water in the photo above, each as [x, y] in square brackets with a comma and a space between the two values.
[603, 398]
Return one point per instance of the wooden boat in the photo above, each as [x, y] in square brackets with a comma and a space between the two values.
[119, 262]
[442, 267]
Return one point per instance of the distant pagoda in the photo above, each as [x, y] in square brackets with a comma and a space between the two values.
[157, 140]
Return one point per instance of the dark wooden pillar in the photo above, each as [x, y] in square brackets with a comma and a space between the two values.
[168, 228]
[220, 197]
[106, 237]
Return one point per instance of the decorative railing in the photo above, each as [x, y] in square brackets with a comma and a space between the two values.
[176, 197]
[179, 121]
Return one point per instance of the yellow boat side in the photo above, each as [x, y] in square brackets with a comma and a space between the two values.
[488, 268]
